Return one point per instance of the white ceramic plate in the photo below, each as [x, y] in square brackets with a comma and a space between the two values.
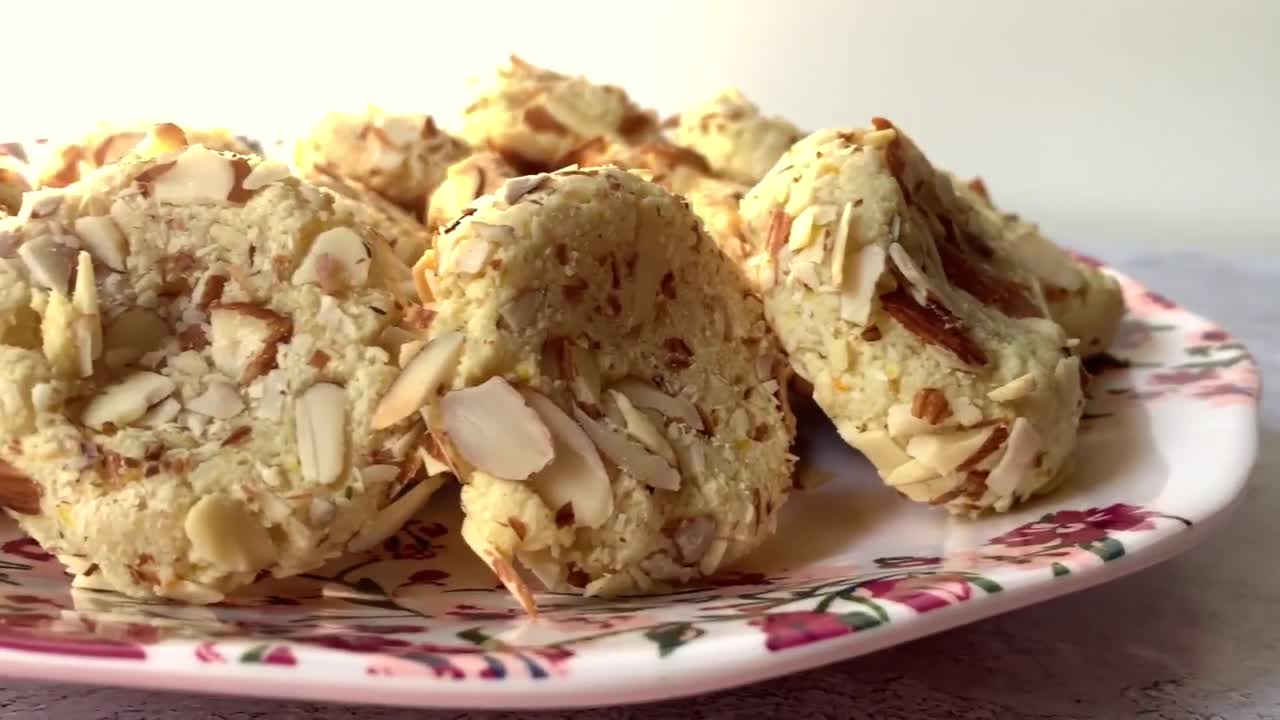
[1164, 452]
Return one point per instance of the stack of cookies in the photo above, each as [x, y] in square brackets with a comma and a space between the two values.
[218, 367]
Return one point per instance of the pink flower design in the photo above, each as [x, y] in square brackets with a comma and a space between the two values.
[921, 593]
[904, 562]
[26, 548]
[279, 655]
[1184, 377]
[1074, 527]
[792, 629]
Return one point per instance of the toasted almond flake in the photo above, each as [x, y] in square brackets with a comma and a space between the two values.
[408, 351]
[840, 245]
[320, 423]
[103, 239]
[903, 423]
[243, 339]
[807, 274]
[879, 138]
[544, 567]
[127, 400]
[494, 430]
[1021, 448]
[576, 477]
[39, 204]
[644, 395]
[858, 289]
[161, 413]
[966, 413]
[190, 592]
[224, 533]
[391, 518]
[498, 235]
[585, 382]
[801, 233]
[346, 251]
[523, 309]
[219, 400]
[944, 452]
[881, 450]
[380, 474]
[693, 458]
[920, 285]
[431, 464]
[86, 330]
[711, 560]
[470, 255]
[1015, 389]
[419, 381]
[199, 175]
[45, 396]
[264, 174]
[518, 187]
[638, 462]
[693, 536]
[49, 262]
[642, 429]
[762, 271]
[909, 473]
[18, 492]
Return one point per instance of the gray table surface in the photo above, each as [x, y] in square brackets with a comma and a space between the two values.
[1197, 637]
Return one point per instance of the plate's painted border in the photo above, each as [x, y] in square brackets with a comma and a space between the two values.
[799, 620]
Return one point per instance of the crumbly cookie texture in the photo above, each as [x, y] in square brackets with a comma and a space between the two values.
[683, 172]
[108, 143]
[13, 182]
[407, 237]
[604, 382]
[929, 347]
[401, 157]
[533, 117]
[473, 176]
[1087, 302]
[739, 142]
[191, 348]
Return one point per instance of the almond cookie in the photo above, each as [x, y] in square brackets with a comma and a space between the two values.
[13, 182]
[401, 157]
[191, 348]
[929, 348]
[111, 142]
[1087, 302]
[469, 178]
[604, 383]
[739, 142]
[407, 237]
[534, 117]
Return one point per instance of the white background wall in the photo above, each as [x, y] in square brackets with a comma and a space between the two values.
[1121, 120]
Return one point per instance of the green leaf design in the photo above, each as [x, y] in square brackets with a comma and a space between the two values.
[475, 636]
[872, 605]
[987, 585]
[1059, 570]
[672, 636]
[1107, 549]
[254, 654]
[859, 620]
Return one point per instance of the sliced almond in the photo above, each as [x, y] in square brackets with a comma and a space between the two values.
[885, 454]
[910, 473]
[421, 378]
[920, 284]
[801, 233]
[224, 533]
[189, 592]
[576, 476]
[265, 173]
[132, 334]
[49, 262]
[219, 400]
[408, 351]
[18, 492]
[879, 138]
[903, 423]
[243, 339]
[347, 264]
[391, 518]
[39, 204]
[87, 332]
[693, 536]
[934, 325]
[432, 465]
[1020, 452]
[199, 175]
[1015, 389]
[470, 255]
[644, 395]
[944, 452]
[638, 462]
[518, 187]
[840, 245]
[320, 421]
[381, 474]
[494, 430]
[523, 309]
[585, 382]
[103, 239]
[861, 274]
[127, 400]
[641, 428]
[162, 413]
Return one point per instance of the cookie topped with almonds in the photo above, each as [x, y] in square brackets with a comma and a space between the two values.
[65, 163]
[604, 382]
[930, 348]
[533, 117]
[739, 141]
[471, 177]
[402, 157]
[1083, 299]
[402, 231]
[191, 350]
